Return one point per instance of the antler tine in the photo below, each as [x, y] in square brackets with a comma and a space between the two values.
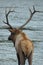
[6, 14]
[31, 14]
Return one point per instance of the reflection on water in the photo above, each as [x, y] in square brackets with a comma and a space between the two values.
[21, 14]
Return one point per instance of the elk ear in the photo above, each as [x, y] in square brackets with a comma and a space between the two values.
[12, 30]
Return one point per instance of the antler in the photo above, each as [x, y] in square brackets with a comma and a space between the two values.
[6, 14]
[32, 13]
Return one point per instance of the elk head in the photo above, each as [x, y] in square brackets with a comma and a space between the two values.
[14, 33]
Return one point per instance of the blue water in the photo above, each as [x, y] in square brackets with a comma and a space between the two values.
[16, 19]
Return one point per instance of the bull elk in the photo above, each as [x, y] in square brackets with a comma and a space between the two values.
[24, 46]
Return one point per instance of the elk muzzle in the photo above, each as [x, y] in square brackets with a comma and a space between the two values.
[9, 38]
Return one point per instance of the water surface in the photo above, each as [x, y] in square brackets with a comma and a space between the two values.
[16, 19]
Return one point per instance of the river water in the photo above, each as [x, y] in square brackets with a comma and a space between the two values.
[16, 19]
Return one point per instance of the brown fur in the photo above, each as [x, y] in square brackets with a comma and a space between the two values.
[24, 36]
[23, 45]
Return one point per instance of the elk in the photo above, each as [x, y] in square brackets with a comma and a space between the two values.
[24, 46]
